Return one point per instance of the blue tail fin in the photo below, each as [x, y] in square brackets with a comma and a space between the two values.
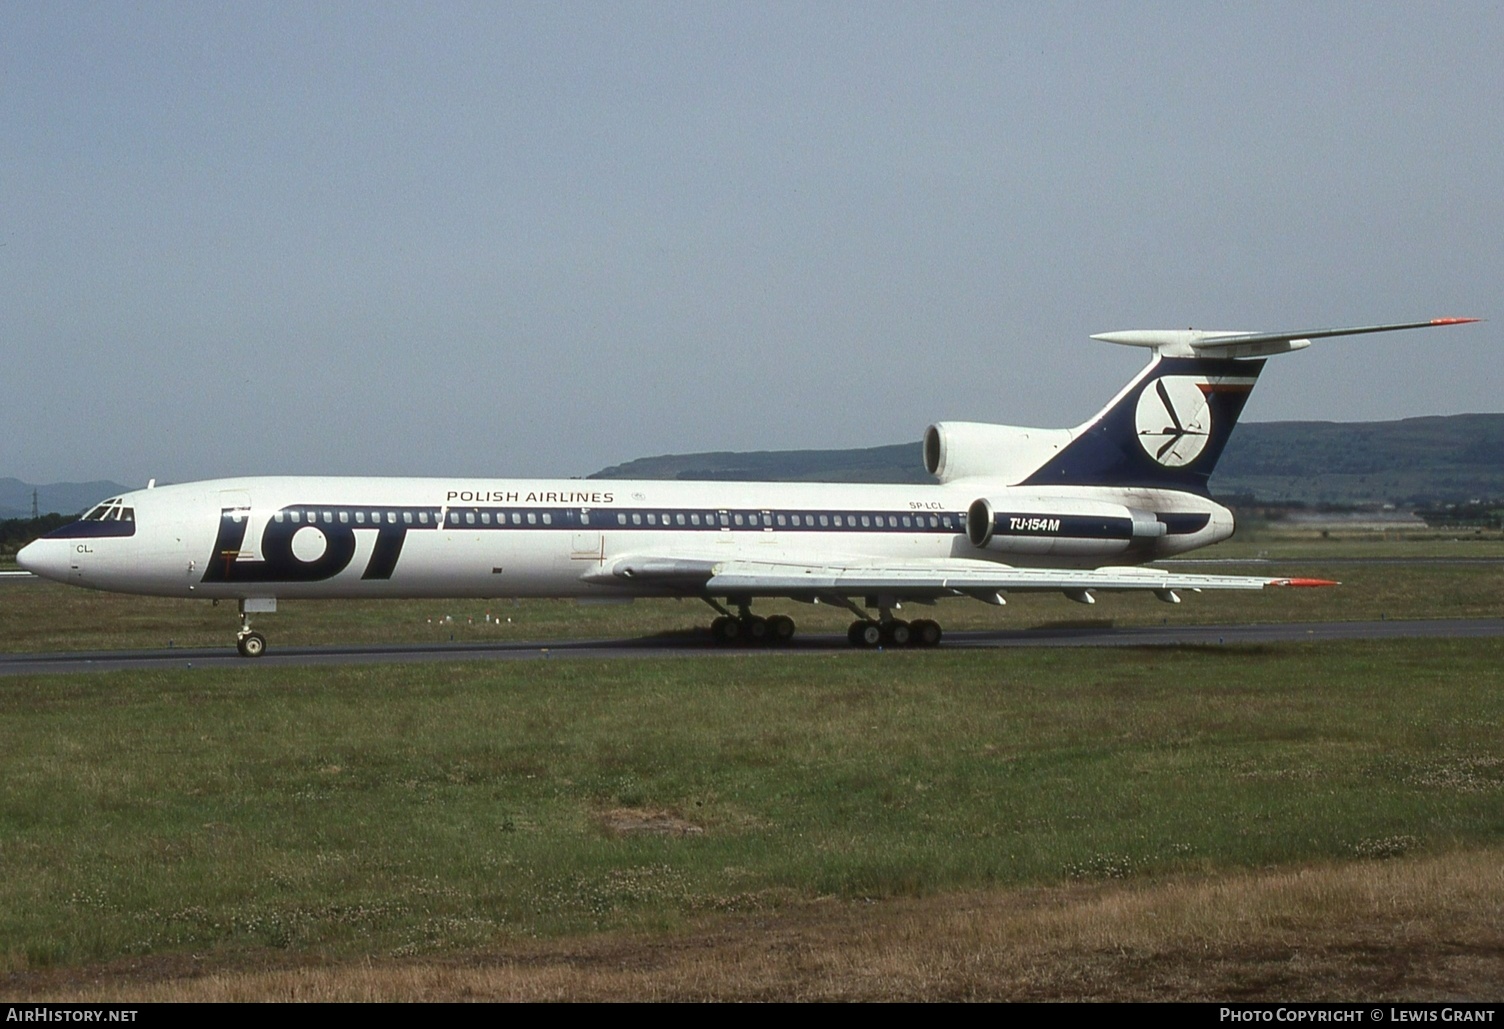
[1166, 429]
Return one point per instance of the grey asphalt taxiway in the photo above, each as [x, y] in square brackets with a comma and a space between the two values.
[699, 645]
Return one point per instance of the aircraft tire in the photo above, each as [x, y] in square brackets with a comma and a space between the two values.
[252, 644]
[865, 633]
[897, 633]
[755, 631]
[780, 629]
[726, 630]
[926, 633]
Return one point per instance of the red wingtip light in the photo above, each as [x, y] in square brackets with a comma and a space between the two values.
[1454, 321]
[1304, 582]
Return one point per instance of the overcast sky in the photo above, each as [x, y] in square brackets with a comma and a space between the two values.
[506, 239]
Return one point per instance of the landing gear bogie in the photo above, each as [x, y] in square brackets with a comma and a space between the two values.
[869, 632]
[752, 630]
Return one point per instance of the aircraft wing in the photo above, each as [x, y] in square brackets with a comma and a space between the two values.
[980, 579]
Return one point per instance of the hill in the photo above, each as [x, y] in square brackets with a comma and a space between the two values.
[1436, 459]
[57, 498]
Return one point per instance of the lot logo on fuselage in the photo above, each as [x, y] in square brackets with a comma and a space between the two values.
[306, 544]
[1173, 419]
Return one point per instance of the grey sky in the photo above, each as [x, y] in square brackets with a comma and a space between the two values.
[505, 239]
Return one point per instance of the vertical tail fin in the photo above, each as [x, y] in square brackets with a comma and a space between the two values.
[1166, 428]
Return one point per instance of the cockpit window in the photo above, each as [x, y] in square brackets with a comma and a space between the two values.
[108, 511]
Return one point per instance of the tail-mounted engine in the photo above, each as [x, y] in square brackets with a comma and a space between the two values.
[1066, 526]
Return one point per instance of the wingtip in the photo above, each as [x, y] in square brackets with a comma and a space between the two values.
[1454, 321]
[1303, 582]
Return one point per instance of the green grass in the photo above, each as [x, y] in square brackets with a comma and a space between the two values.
[433, 808]
[43, 616]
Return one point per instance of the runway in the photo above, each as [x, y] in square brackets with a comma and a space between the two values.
[699, 645]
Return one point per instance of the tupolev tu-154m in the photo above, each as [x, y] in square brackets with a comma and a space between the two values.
[1014, 510]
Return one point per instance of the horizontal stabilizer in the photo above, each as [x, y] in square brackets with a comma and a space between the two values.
[1230, 343]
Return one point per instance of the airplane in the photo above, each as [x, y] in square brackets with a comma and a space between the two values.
[1014, 510]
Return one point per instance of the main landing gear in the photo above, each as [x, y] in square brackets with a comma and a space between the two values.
[751, 630]
[746, 629]
[895, 632]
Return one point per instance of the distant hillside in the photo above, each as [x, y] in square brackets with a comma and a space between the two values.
[900, 462]
[1412, 461]
[58, 498]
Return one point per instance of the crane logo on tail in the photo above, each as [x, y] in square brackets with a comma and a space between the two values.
[1174, 420]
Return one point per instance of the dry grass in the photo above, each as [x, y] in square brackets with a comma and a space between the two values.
[1425, 928]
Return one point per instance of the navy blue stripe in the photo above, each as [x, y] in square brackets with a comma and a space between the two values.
[92, 530]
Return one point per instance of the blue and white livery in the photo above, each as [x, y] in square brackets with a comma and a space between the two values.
[1013, 510]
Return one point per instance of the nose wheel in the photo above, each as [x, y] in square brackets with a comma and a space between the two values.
[248, 641]
[250, 644]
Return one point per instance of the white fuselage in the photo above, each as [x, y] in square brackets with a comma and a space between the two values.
[385, 537]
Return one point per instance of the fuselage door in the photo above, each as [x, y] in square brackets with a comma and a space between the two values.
[235, 504]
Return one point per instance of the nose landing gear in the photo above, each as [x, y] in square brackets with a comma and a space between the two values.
[249, 642]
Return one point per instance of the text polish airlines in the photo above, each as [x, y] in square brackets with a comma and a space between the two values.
[1014, 510]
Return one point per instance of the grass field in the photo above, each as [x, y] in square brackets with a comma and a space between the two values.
[1283, 822]
[463, 816]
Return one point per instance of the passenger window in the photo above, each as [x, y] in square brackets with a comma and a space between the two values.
[469, 517]
[636, 519]
[725, 521]
[344, 517]
[737, 519]
[277, 517]
[297, 516]
[584, 517]
[485, 518]
[652, 519]
[548, 519]
[694, 519]
[621, 519]
[679, 518]
[407, 517]
[360, 518]
[532, 519]
[752, 519]
[516, 517]
[423, 517]
[454, 517]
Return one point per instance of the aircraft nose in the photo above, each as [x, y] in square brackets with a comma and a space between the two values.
[44, 557]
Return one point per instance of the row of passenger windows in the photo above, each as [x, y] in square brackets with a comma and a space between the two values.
[779, 520]
[937, 522]
[360, 517]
